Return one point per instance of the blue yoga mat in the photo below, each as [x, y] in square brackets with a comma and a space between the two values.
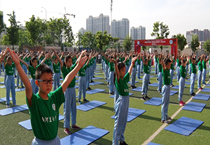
[133, 113]
[97, 78]
[202, 97]
[90, 105]
[152, 143]
[96, 83]
[76, 87]
[206, 90]
[207, 85]
[84, 137]
[114, 95]
[172, 92]
[27, 123]
[135, 82]
[193, 106]
[19, 89]
[187, 83]
[154, 84]
[95, 91]
[137, 89]
[4, 99]
[12, 110]
[1, 83]
[177, 87]
[154, 101]
[184, 126]
[2, 87]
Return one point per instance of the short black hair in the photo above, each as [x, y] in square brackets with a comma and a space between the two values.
[32, 59]
[167, 60]
[43, 68]
[120, 65]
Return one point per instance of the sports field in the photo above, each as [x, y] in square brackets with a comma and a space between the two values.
[137, 131]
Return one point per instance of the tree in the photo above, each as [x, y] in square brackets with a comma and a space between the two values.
[12, 31]
[206, 45]
[102, 40]
[23, 39]
[160, 31]
[182, 41]
[1, 22]
[194, 42]
[5, 40]
[127, 43]
[36, 29]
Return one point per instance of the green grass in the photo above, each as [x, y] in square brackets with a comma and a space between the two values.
[137, 131]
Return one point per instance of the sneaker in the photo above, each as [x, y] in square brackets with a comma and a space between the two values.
[92, 81]
[75, 127]
[164, 121]
[133, 87]
[85, 100]
[204, 83]
[181, 103]
[89, 88]
[8, 106]
[111, 93]
[123, 143]
[159, 91]
[22, 87]
[172, 85]
[146, 97]
[79, 102]
[149, 82]
[193, 94]
[67, 131]
[200, 88]
[143, 98]
[168, 118]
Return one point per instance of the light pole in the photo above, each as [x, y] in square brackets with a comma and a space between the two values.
[45, 13]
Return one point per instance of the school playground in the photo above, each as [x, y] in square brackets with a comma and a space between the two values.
[190, 124]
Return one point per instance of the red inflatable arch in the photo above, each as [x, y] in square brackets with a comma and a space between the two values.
[153, 42]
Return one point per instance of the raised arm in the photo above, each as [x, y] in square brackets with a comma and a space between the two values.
[23, 76]
[80, 62]
[47, 56]
[132, 64]
[3, 55]
[59, 59]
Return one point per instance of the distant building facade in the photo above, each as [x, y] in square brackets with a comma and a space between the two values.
[202, 35]
[120, 28]
[138, 33]
[95, 24]
[82, 31]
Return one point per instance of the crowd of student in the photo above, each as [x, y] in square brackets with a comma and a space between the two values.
[45, 69]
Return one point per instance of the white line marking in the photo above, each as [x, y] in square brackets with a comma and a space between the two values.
[165, 124]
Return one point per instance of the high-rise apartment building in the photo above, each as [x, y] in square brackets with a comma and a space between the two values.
[138, 33]
[95, 24]
[82, 30]
[120, 28]
[202, 35]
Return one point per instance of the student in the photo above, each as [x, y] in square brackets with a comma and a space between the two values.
[56, 76]
[10, 81]
[166, 91]
[44, 106]
[156, 63]
[145, 81]
[138, 67]
[122, 103]
[172, 70]
[32, 69]
[111, 76]
[205, 59]
[209, 68]
[193, 76]
[160, 82]
[82, 81]
[149, 65]
[178, 62]
[200, 69]
[70, 94]
[133, 75]
[183, 74]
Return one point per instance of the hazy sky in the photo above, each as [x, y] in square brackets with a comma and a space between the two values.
[179, 15]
